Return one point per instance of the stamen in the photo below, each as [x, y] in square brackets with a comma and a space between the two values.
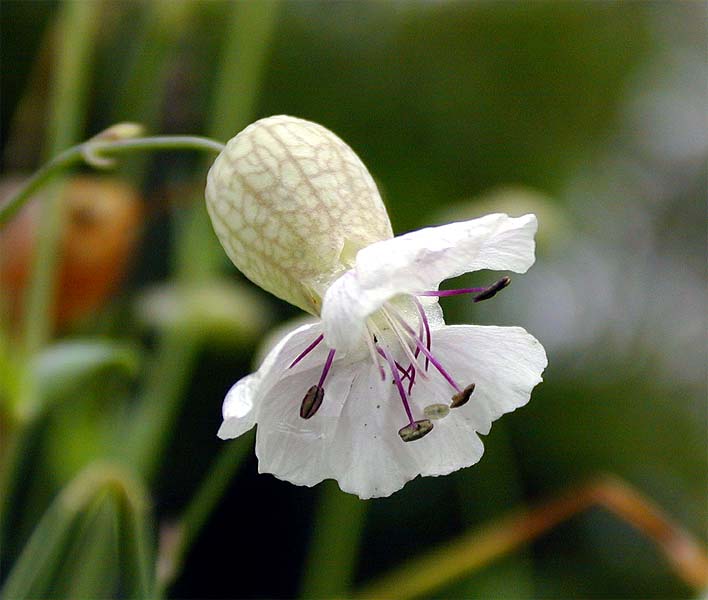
[436, 411]
[425, 325]
[444, 293]
[410, 373]
[404, 372]
[307, 350]
[401, 338]
[427, 353]
[483, 293]
[313, 398]
[311, 402]
[416, 430]
[492, 290]
[399, 385]
[370, 342]
[462, 397]
[328, 364]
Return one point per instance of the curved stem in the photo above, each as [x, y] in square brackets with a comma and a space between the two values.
[422, 576]
[68, 93]
[88, 151]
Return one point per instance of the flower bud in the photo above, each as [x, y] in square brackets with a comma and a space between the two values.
[292, 204]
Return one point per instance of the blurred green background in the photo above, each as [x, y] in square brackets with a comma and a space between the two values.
[590, 114]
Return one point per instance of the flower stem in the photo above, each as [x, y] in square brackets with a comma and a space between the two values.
[469, 553]
[247, 39]
[177, 354]
[331, 560]
[173, 548]
[78, 154]
[76, 29]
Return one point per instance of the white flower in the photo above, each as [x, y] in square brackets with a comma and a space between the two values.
[380, 390]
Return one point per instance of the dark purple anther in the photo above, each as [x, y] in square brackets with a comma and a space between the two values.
[312, 401]
[462, 397]
[492, 290]
[482, 293]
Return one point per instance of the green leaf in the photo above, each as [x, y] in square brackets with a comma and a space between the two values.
[72, 551]
[90, 566]
[63, 368]
[213, 311]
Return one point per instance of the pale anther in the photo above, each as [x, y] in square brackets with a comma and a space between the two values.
[436, 411]
[415, 431]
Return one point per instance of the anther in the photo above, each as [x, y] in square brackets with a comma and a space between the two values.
[462, 397]
[311, 402]
[492, 290]
[416, 430]
[436, 411]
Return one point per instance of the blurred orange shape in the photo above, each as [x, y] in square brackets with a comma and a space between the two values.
[103, 220]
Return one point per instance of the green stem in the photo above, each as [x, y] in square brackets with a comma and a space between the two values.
[156, 413]
[158, 29]
[177, 355]
[75, 32]
[331, 561]
[249, 30]
[247, 40]
[173, 550]
[83, 153]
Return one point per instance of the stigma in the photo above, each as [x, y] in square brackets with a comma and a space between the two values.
[401, 348]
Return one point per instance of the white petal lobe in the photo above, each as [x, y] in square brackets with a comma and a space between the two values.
[419, 261]
[243, 401]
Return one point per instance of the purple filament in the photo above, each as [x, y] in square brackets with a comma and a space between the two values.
[433, 360]
[328, 364]
[399, 385]
[411, 377]
[426, 326]
[481, 294]
[307, 350]
[405, 372]
[443, 293]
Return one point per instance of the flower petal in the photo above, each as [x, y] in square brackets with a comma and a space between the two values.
[293, 448]
[504, 363]
[353, 437]
[367, 456]
[238, 410]
[242, 402]
[419, 261]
